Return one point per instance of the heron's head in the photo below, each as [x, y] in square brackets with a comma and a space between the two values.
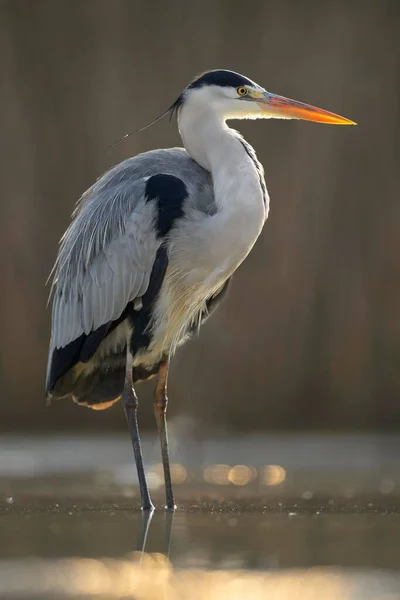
[233, 96]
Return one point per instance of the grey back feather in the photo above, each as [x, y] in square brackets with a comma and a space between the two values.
[107, 253]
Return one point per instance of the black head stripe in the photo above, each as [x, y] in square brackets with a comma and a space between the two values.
[222, 78]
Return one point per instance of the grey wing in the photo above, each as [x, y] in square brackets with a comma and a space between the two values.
[105, 261]
[107, 253]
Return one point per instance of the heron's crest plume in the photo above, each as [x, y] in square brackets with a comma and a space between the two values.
[171, 110]
[220, 77]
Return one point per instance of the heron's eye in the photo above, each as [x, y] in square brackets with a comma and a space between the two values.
[242, 91]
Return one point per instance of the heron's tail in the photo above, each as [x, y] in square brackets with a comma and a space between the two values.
[99, 382]
[95, 384]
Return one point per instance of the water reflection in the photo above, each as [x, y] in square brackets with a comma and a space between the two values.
[146, 519]
[266, 520]
[208, 551]
[210, 537]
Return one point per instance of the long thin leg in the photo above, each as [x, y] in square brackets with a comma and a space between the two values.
[130, 402]
[160, 410]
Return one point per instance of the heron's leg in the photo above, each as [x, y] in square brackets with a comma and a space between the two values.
[130, 402]
[160, 410]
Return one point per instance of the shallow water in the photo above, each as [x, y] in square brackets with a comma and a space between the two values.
[209, 535]
[324, 527]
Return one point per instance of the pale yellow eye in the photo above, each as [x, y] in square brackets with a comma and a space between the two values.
[242, 91]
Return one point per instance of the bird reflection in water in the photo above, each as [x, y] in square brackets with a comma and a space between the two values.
[146, 519]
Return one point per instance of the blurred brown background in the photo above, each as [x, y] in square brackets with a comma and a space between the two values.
[309, 336]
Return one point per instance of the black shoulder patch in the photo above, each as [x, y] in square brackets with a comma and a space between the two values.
[170, 193]
[220, 77]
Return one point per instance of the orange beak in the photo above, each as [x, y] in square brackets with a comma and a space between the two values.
[285, 108]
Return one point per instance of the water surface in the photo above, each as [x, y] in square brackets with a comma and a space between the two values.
[300, 523]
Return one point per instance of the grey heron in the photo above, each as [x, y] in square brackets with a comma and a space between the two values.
[152, 247]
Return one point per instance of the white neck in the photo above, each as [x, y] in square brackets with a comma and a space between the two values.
[240, 199]
[219, 150]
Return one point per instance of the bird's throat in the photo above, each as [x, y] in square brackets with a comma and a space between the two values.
[221, 151]
[239, 189]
